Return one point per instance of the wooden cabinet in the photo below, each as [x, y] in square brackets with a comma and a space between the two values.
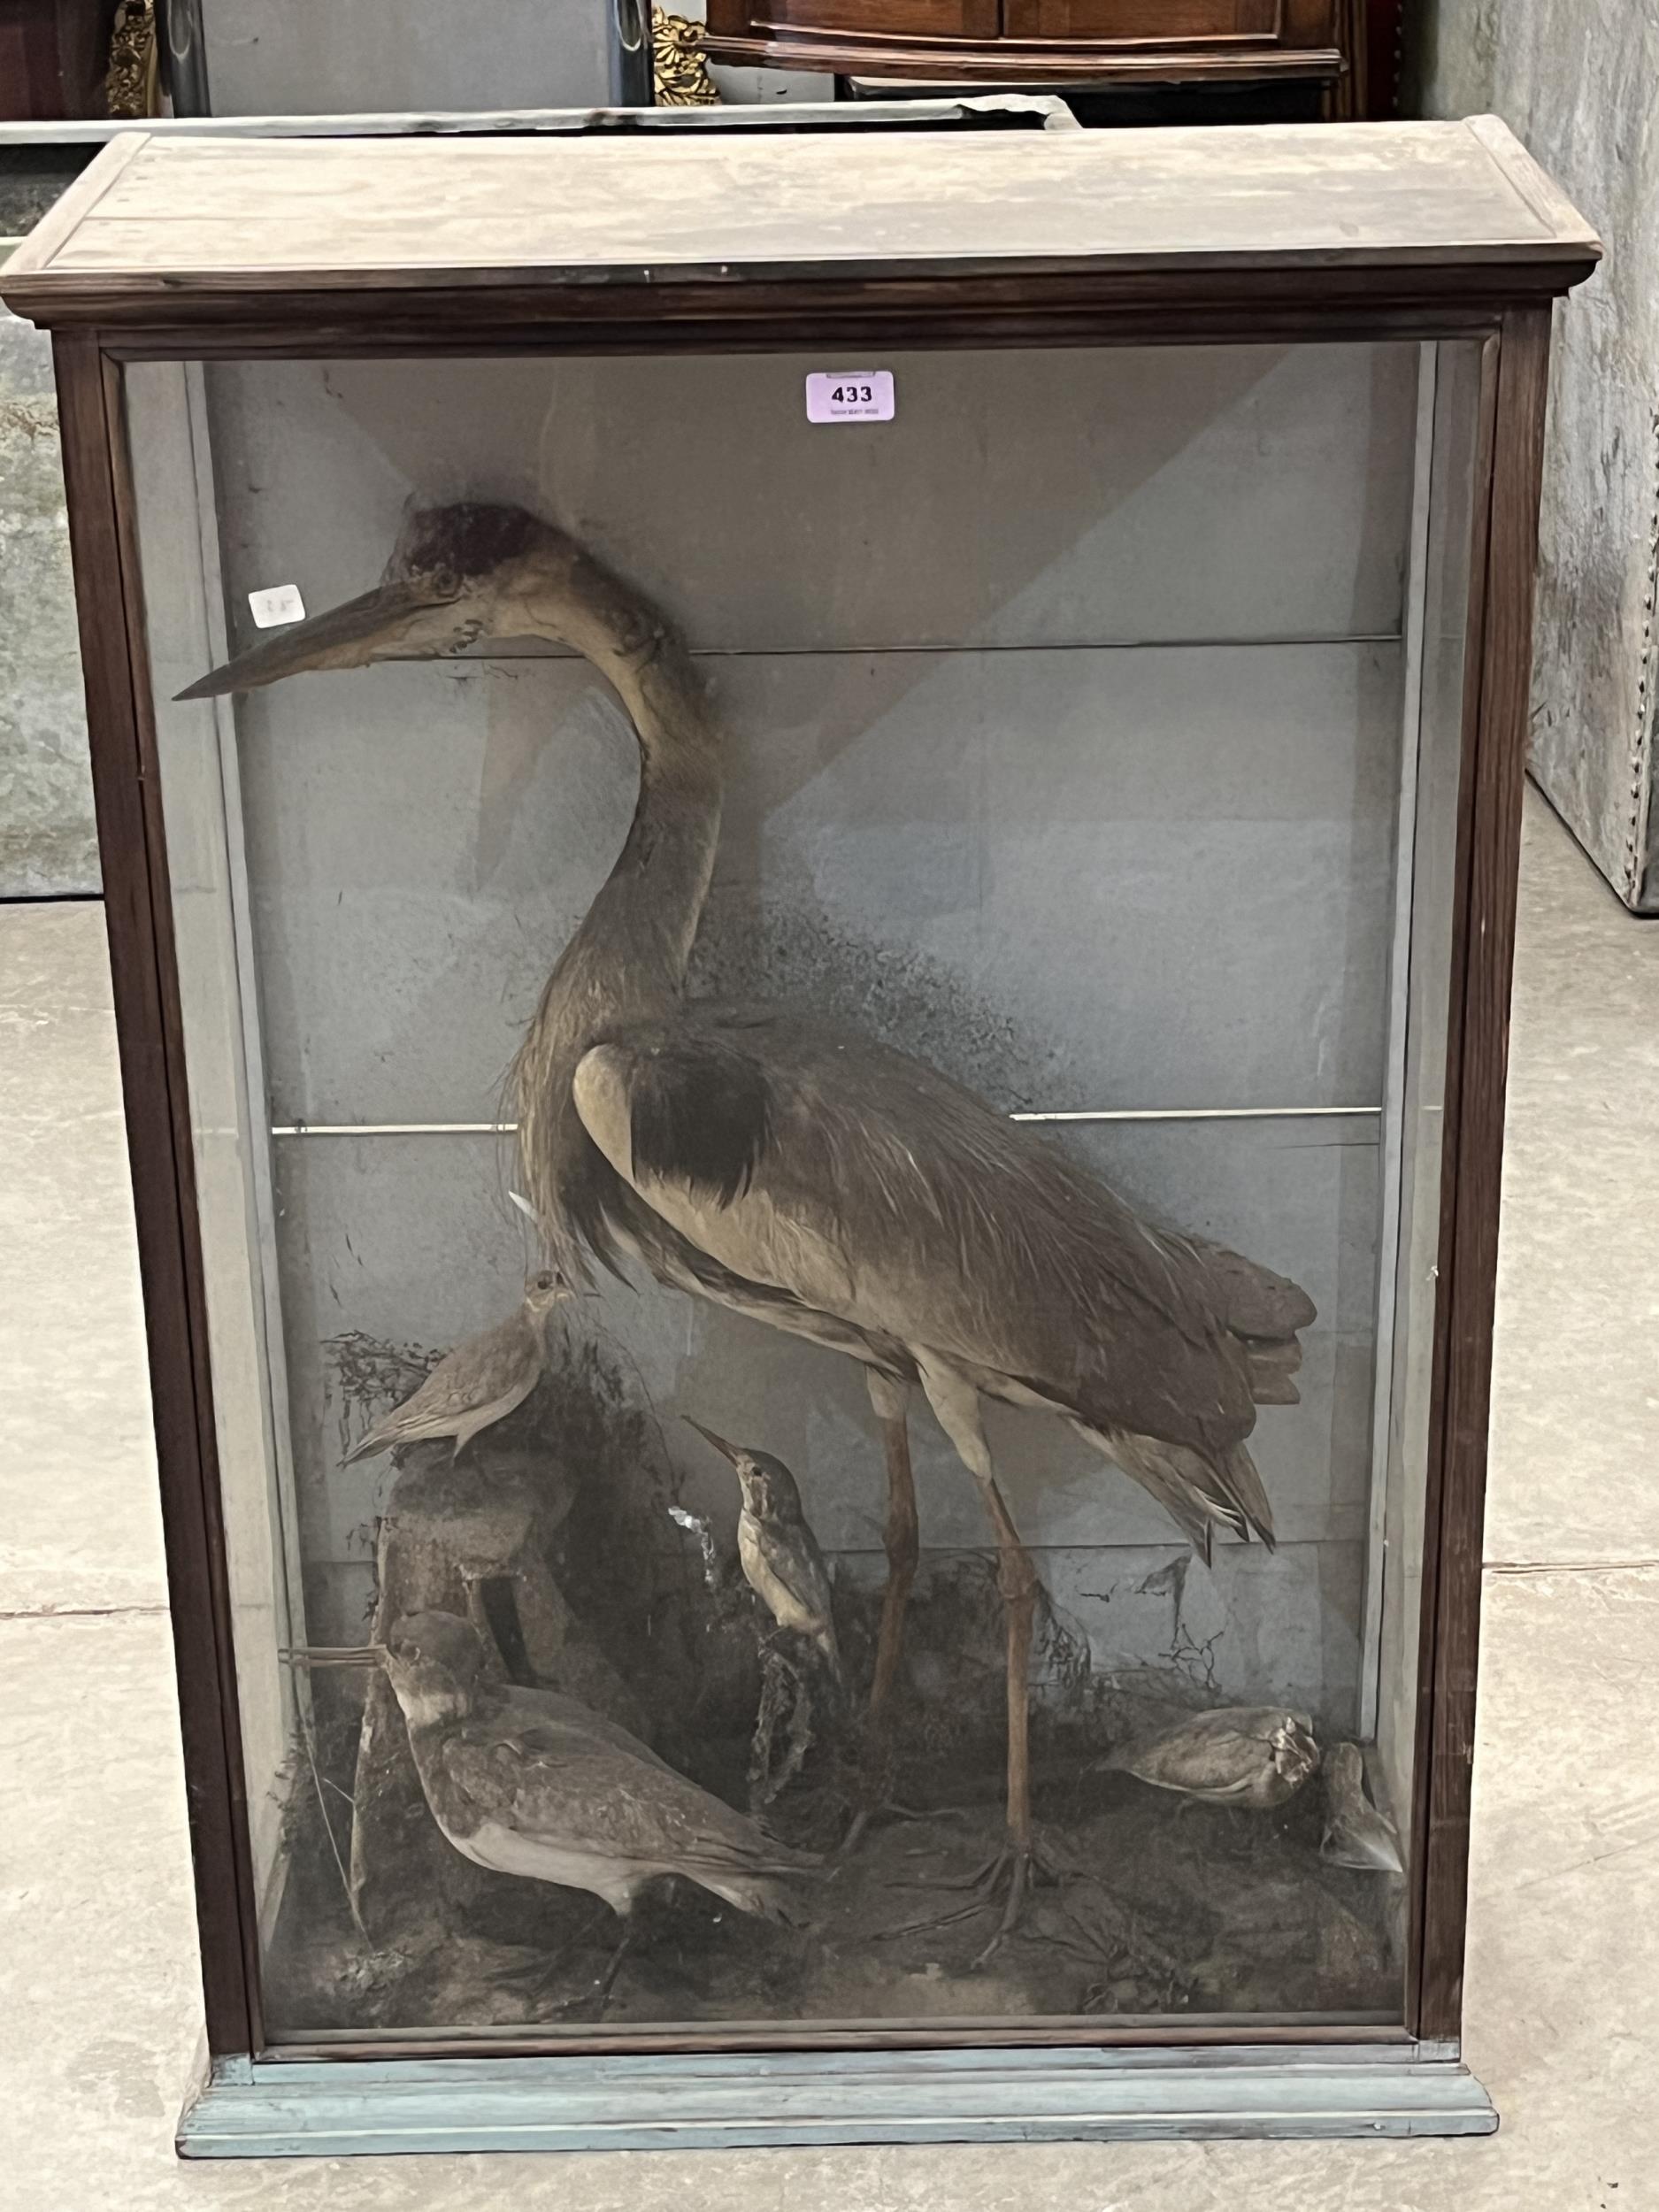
[1179, 23]
[1132, 41]
[52, 58]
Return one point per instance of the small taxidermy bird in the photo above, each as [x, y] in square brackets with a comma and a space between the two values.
[475, 1386]
[531, 1783]
[1356, 1832]
[780, 1558]
[1254, 1755]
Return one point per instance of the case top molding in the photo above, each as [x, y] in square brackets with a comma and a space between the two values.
[176, 234]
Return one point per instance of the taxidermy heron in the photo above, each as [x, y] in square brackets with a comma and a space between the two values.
[801, 1174]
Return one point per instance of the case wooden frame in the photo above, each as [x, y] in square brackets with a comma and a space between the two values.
[807, 2084]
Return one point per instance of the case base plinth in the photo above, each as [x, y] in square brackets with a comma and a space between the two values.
[272, 2108]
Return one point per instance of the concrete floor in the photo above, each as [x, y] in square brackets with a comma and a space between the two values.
[99, 2006]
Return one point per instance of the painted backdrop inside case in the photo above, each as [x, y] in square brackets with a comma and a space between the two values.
[827, 1423]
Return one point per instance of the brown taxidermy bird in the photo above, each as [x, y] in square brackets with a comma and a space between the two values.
[1356, 1832]
[530, 1783]
[475, 1386]
[1252, 1755]
[797, 1171]
[782, 1561]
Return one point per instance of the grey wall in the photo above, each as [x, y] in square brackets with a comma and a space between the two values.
[1575, 79]
[381, 56]
[48, 843]
[343, 56]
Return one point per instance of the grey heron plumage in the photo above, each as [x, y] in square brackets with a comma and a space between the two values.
[799, 1172]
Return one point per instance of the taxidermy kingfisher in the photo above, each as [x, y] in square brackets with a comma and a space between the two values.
[780, 1555]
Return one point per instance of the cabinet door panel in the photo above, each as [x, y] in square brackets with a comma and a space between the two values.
[885, 19]
[1148, 24]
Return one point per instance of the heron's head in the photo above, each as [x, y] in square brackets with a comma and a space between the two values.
[437, 1664]
[457, 574]
[769, 1488]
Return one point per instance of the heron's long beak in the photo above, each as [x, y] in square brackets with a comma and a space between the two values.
[719, 1442]
[364, 629]
[341, 1656]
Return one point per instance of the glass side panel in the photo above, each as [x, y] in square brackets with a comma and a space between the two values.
[989, 1056]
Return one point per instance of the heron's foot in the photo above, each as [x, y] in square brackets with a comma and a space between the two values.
[999, 1885]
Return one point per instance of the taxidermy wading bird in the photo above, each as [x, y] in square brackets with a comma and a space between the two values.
[778, 1553]
[801, 1173]
[475, 1386]
[528, 1782]
[1256, 1757]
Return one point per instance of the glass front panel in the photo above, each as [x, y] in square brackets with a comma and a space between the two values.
[980, 1079]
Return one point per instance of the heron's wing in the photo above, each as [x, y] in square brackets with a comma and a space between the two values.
[1264, 1310]
[583, 1792]
[874, 1189]
[497, 1367]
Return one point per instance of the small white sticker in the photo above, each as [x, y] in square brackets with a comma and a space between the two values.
[849, 396]
[282, 603]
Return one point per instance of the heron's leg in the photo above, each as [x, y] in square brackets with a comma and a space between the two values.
[903, 1540]
[902, 1535]
[957, 1402]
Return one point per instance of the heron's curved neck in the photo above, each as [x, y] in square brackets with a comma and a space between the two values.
[632, 949]
[628, 959]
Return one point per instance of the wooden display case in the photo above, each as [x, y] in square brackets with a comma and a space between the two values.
[1132, 726]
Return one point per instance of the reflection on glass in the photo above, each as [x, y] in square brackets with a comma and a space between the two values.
[836, 1105]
